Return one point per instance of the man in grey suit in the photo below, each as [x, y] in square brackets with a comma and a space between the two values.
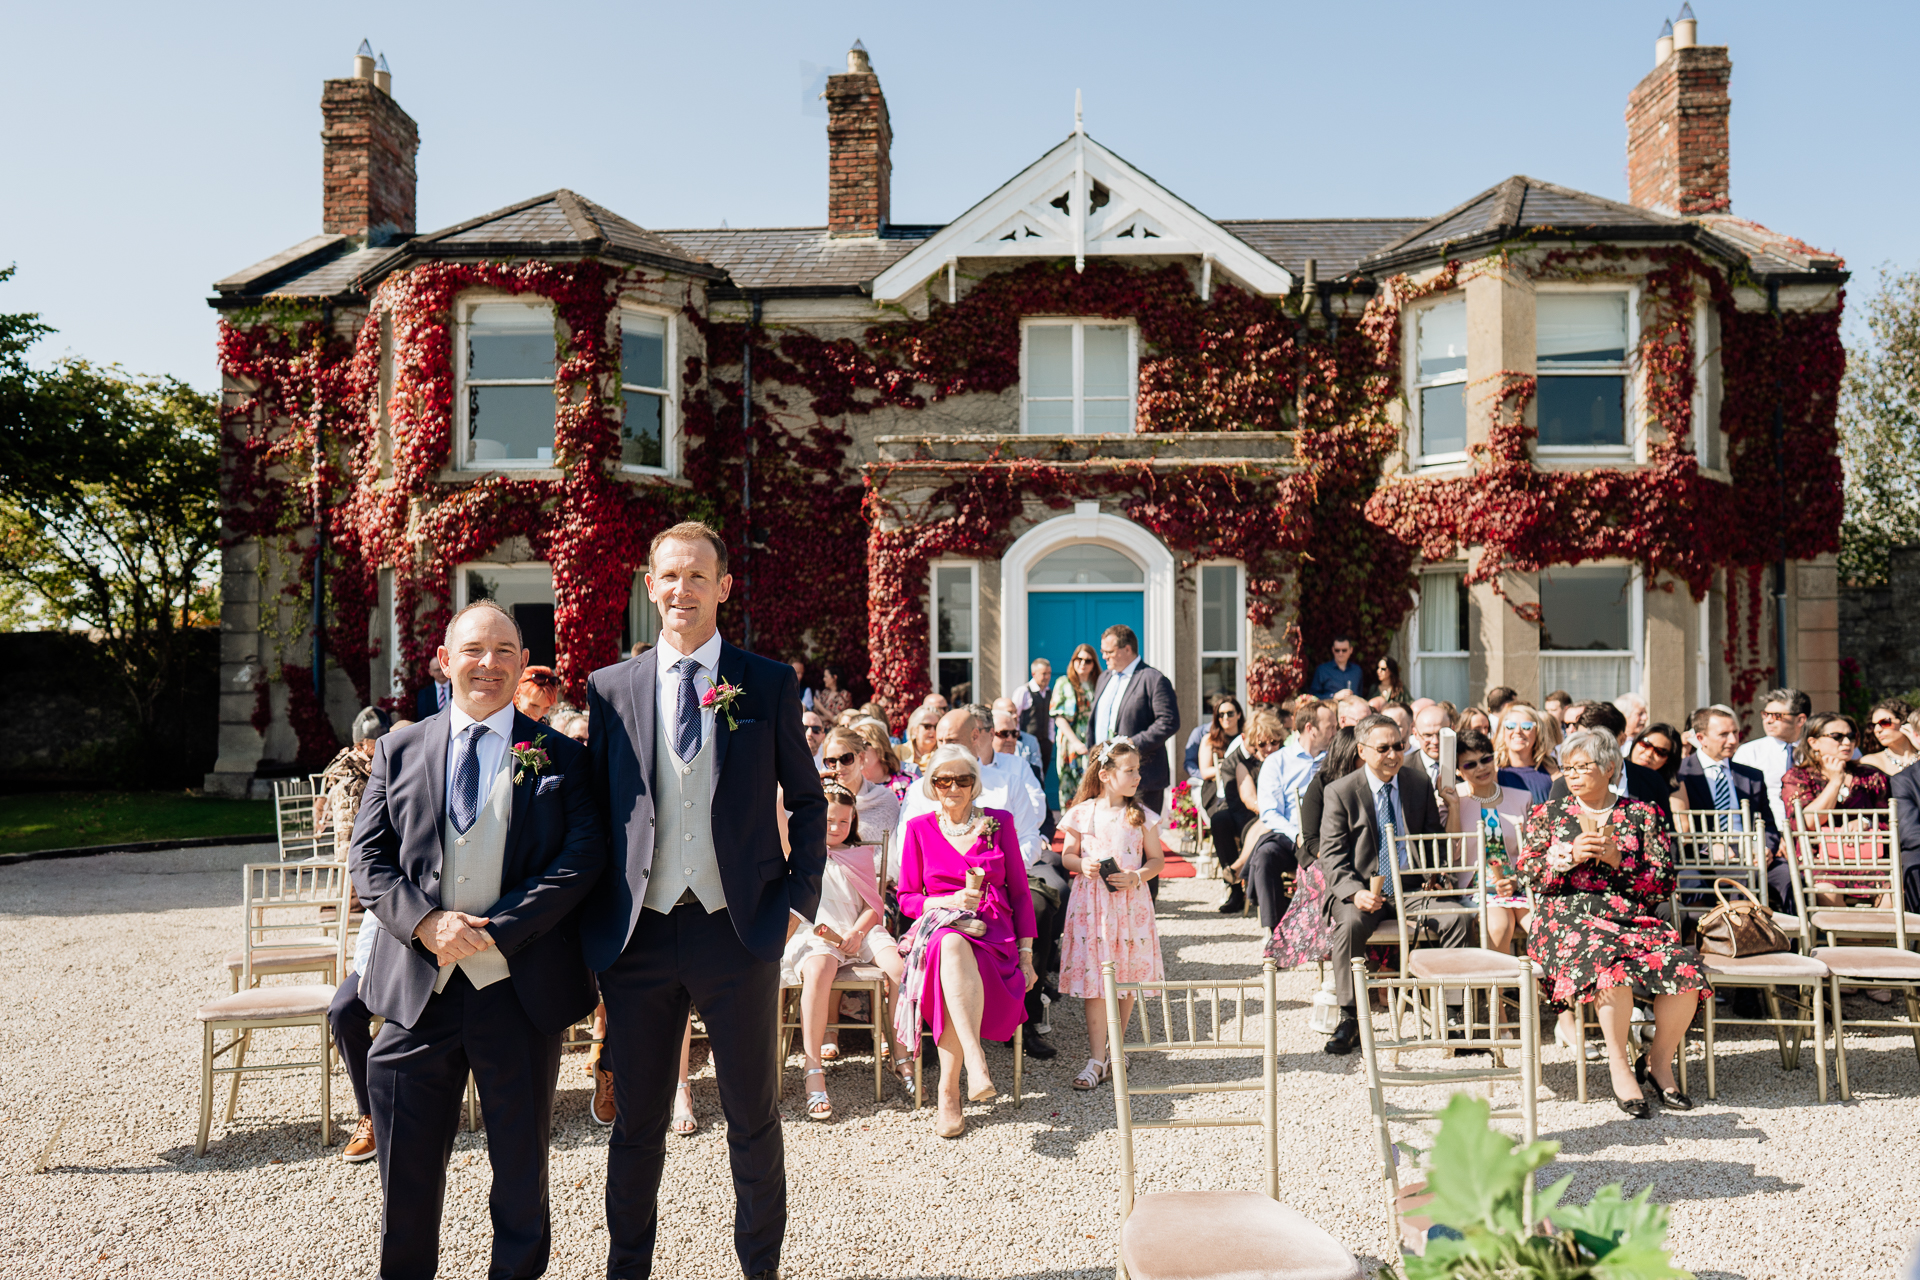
[1356, 810]
[476, 841]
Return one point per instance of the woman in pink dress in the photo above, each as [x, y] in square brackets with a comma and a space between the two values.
[1111, 915]
[970, 952]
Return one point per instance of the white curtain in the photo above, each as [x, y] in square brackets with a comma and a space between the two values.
[1601, 678]
[1581, 328]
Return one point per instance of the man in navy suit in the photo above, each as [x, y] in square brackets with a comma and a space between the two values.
[476, 842]
[1905, 789]
[437, 693]
[1714, 781]
[1135, 702]
[696, 746]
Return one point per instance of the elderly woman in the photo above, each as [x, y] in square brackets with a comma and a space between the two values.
[970, 951]
[844, 759]
[1600, 865]
[1523, 743]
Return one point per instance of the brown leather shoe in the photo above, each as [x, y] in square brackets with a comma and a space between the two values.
[602, 1108]
[360, 1145]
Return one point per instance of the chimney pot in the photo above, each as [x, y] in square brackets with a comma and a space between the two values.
[1677, 133]
[858, 63]
[382, 77]
[363, 61]
[1686, 29]
[368, 144]
[1663, 47]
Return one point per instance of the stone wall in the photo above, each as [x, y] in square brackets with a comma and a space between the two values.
[1880, 627]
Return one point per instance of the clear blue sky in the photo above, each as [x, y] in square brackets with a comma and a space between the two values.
[150, 152]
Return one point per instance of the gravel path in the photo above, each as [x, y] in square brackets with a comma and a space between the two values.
[113, 953]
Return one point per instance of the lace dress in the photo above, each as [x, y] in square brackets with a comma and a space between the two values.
[1108, 924]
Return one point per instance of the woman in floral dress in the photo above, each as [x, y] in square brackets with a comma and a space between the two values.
[1072, 712]
[1595, 935]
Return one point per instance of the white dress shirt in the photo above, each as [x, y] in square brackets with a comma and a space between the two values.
[1106, 712]
[492, 746]
[1772, 758]
[666, 691]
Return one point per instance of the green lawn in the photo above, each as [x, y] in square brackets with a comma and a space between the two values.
[68, 818]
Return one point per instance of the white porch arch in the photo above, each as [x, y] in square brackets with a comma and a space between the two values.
[1087, 524]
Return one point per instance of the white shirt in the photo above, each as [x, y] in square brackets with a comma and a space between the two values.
[666, 690]
[491, 749]
[1107, 710]
[1772, 758]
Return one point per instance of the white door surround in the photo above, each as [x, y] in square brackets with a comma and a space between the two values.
[1086, 524]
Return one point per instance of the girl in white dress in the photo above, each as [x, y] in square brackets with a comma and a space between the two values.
[850, 909]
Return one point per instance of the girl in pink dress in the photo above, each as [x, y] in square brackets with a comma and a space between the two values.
[1111, 915]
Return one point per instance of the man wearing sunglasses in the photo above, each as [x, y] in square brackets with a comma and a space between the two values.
[1385, 792]
[1714, 780]
[1783, 718]
[814, 726]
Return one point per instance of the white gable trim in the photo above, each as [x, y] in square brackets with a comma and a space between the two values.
[1138, 218]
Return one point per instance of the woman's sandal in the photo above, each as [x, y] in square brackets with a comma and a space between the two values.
[830, 1051]
[819, 1105]
[684, 1122]
[1090, 1075]
[901, 1071]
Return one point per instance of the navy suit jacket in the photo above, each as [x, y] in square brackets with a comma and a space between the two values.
[1149, 715]
[427, 702]
[765, 746]
[556, 850]
[1749, 784]
[1349, 850]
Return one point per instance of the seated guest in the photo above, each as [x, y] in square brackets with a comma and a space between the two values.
[1905, 787]
[1714, 780]
[1600, 865]
[1659, 749]
[815, 726]
[1642, 784]
[1556, 703]
[1381, 795]
[1498, 697]
[832, 699]
[920, 738]
[537, 693]
[342, 785]
[1302, 935]
[1009, 738]
[1634, 708]
[1215, 737]
[882, 764]
[850, 911]
[1523, 748]
[843, 759]
[1825, 778]
[1236, 804]
[1392, 690]
[436, 693]
[1350, 709]
[799, 666]
[1895, 750]
[1499, 811]
[1475, 718]
[1271, 854]
[970, 951]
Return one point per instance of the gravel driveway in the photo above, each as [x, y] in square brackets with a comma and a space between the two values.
[111, 955]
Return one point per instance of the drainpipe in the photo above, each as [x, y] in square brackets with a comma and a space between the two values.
[1780, 502]
[746, 477]
[319, 564]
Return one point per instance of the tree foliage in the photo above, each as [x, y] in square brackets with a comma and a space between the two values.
[1880, 432]
[109, 509]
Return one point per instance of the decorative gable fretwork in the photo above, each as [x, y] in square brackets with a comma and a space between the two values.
[1080, 200]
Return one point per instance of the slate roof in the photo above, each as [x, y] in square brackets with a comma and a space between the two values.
[1335, 244]
[559, 222]
[805, 259]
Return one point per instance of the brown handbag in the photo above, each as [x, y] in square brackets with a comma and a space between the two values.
[1740, 929]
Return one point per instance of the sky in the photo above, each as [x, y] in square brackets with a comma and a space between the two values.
[150, 152]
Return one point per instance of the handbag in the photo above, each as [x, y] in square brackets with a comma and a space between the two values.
[1740, 929]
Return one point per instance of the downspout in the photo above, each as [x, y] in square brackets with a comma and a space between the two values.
[746, 476]
[1780, 502]
[320, 543]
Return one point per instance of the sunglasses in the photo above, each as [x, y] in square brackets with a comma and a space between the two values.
[1478, 762]
[1518, 726]
[1390, 749]
[951, 781]
[1665, 753]
[840, 762]
[545, 682]
[814, 731]
[1885, 724]
[1838, 737]
[1006, 733]
[1776, 715]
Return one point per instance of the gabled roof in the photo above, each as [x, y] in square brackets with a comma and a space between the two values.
[559, 223]
[797, 261]
[1080, 200]
[1517, 205]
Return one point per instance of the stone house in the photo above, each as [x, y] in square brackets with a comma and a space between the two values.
[1540, 440]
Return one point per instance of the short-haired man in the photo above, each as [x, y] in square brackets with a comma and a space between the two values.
[814, 726]
[1428, 721]
[1010, 738]
[1357, 810]
[1715, 781]
[1399, 715]
[799, 666]
[1783, 721]
[1136, 702]
[1272, 853]
[1339, 672]
[1032, 701]
[1497, 699]
[1352, 709]
[436, 693]
[1555, 704]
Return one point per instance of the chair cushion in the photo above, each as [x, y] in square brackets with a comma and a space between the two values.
[285, 959]
[273, 1002]
[1863, 922]
[1212, 1235]
[1464, 964]
[1870, 962]
[1780, 966]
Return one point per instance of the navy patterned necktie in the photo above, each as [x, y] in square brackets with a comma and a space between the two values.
[1389, 823]
[463, 800]
[686, 721]
[1722, 787]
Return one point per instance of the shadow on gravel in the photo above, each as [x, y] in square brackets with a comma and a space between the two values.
[1622, 1130]
[1671, 1179]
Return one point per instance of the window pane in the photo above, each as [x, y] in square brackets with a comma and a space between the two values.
[1218, 676]
[1583, 411]
[1442, 613]
[1585, 608]
[1085, 564]
[1581, 328]
[1595, 679]
[1106, 417]
[1050, 417]
[526, 591]
[1106, 360]
[1442, 679]
[956, 680]
[1217, 632]
[507, 340]
[1443, 338]
[643, 351]
[1443, 419]
[1050, 360]
[953, 592]
[511, 424]
[640, 431]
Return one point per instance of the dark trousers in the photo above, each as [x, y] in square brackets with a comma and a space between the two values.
[353, 1036]
[674, 961]
[1351, 929]
[417, 1078]
[1155, 801]
[1224, 829]
[1272, 860]
[1049, 918]
[1780, 885]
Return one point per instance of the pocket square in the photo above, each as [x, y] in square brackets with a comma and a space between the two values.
[543, 785]
[743, 722]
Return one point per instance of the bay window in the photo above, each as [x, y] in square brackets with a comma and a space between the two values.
[507, 359]
[1582, 340]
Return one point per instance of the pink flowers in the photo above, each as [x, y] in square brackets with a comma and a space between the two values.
[530, 755]
[720, 699]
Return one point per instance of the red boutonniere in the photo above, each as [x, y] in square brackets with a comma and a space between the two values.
[530, 755]
[720, 699]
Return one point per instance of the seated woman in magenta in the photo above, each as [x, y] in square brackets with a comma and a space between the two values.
[970, 952]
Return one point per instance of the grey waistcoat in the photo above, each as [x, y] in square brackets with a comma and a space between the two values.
[683, 853]
[470, 871]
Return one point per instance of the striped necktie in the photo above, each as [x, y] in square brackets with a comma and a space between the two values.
[463, 800]
[1389, 823]
[1722, 786]
[686, 723]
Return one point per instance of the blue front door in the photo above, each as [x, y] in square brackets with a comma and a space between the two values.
[1057, 621]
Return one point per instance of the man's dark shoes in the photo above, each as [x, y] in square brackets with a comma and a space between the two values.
[1346, 1037]
[1035, 1046]
[1236, 900]
[765, 1275]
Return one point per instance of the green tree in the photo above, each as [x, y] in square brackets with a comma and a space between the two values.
[109, 509]
[1880, 432]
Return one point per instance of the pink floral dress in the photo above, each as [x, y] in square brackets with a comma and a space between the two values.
[1594, 927]
[1108, 924]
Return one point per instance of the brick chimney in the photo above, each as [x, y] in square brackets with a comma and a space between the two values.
[367, 170]
[1677, 127]
[859, 150]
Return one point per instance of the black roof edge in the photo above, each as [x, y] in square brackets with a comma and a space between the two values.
[295, 263]
[731, 292]
[1693, 233]
[241, 301]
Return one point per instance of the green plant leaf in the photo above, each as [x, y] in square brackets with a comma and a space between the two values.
[1610, 1222]
[1475, 1174]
